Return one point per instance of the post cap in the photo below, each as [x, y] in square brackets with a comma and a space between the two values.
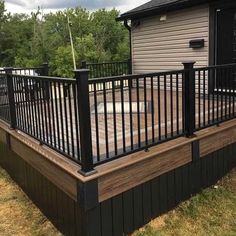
[82, 71]
[83, 65]
[188, 62]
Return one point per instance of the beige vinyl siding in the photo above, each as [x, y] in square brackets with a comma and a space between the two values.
[161, 46]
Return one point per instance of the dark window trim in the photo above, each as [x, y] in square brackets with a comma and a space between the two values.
[212, 26]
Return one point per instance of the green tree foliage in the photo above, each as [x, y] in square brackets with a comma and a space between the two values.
[30, 40]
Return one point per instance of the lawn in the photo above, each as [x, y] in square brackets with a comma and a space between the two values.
[18, 215]
[212, 212]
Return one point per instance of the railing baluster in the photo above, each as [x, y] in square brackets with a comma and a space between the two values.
[208, 98]
[138, 112]
[131, 114]
[165, 106]
[96, 122]
[114, 116]
[105, 120]
[123, 115]
[204, 97]
[152, 110]
[159, 107]
[171, 105]
[145, 110]
[177, 103]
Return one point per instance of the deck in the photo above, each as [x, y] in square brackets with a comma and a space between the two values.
[156, 140]
[113, 131]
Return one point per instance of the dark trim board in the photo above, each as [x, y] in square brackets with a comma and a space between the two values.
[126, 212]
[139, 205]
[213, 6]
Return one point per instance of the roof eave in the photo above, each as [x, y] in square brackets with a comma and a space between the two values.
[159, 10]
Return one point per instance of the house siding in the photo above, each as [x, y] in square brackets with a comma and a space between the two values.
[161, 46]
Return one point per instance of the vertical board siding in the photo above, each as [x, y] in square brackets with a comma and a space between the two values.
[62, 211]
[124, 213]
[161, 46]
[147, 201]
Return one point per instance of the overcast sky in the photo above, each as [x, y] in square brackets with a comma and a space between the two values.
[27, 6]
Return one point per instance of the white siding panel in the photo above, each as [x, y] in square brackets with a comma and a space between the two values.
[160, 46]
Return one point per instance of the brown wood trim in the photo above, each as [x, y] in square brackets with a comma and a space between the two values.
[127, 172]
[62, 180]
[124, 179]
[52, 156]
[2, 136]
[217, 141]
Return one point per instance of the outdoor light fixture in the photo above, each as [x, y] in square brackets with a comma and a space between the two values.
[163, 18]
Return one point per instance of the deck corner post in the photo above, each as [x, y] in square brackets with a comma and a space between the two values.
[189, 98]
[11, 98]
[88, 194]
[82, 76]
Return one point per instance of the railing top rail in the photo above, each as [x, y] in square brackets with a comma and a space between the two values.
[214, 67]
[105, 63]
[136, 76]
[27, 68]
[48, 78]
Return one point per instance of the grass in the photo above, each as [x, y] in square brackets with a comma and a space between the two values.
[212, 212]
[18, 215]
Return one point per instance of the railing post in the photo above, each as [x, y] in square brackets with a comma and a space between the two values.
[84, 65]
[130, 82]
[189, 98]
[82, 76]
[129, 66]
[45, 69]
[11, 99]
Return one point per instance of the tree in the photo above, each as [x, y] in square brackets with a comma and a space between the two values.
[62, 64]
[31, 40]
[107, 31]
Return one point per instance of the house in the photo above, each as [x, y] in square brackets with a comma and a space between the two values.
[118, 151]
[165, 33]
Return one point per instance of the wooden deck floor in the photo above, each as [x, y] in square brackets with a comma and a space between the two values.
[163, 117]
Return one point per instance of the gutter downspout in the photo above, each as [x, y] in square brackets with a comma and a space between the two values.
[130, 45]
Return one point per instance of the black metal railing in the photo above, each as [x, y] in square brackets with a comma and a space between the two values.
[4, 99]
[7, 88]
[46, 109]
[106, 69]
[93, 121]
[35, 71]
[126, 119]
[215, 90]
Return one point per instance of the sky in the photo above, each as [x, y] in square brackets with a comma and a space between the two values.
[27, 6]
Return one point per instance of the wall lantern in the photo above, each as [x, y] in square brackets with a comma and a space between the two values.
[197, 43]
